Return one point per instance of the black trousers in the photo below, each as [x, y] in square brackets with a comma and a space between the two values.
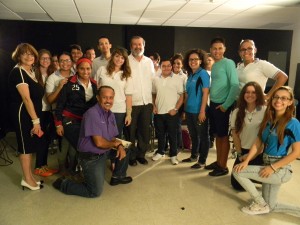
[139, 130]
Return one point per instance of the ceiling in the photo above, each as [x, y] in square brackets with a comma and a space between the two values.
[252, 14]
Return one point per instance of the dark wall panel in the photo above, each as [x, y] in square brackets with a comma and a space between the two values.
[265, 40]
[89, 34]
[158, 39]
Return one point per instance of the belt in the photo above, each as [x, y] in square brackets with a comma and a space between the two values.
[72, 120]
[88, 155]
[272, 156]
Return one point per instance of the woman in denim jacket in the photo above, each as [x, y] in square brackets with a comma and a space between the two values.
[278, 132]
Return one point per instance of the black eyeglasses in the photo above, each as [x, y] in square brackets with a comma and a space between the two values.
[193, 59]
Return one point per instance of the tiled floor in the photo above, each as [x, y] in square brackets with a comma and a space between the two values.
[160, 194]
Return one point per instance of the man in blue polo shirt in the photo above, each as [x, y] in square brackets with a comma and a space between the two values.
[96, 141]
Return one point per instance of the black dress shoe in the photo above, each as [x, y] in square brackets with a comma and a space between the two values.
[218, 172]
[132, 162]
[123, 180]
[142, 161]
[57, 183]
[211, 166]
[196, 166]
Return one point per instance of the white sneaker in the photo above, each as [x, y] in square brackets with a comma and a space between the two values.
[256, 209]
[157, 156]
[174, 160]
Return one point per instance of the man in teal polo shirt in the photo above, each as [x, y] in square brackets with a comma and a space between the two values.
[223, 91]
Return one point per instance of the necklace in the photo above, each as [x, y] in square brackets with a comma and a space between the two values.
[250, 116]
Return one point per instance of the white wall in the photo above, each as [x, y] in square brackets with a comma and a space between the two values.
[295, 56]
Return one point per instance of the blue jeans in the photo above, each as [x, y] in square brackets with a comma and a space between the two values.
[93, 168]
[167, 124]
[199, 137]
[270, 185]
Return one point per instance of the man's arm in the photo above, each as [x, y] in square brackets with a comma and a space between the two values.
[102, 143]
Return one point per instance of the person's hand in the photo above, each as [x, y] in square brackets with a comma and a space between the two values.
[201, 117]
[266, 171]
[121, 153]
[221, 108]
[36, 130]
[62, 82]
[60, 130]
[241, 166]
[172, 112]
[127, 120]
[154, 109]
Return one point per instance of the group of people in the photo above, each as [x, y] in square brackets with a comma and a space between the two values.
[96, 102]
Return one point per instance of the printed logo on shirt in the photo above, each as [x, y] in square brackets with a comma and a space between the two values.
[75, 87]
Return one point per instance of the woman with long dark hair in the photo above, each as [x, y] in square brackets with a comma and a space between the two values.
[245, 121]
[43, 69]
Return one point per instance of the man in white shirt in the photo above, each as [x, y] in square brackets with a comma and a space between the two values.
[142, 72]
[167, 99]
[104, 47]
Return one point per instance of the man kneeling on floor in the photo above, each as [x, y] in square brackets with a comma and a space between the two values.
[96, 143]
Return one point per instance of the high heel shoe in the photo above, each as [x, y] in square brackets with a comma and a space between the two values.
[25, 184]
[39, 182]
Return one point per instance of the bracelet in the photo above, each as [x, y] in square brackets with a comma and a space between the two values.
[273, 168]
[36, 121]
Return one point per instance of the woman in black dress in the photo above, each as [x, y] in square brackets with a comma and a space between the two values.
[26, 105]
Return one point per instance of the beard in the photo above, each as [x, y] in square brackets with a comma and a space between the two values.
[137, 52]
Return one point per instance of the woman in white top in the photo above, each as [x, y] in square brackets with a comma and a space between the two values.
[245, 122]
[254, 69]
[43, 69]
[117, 74]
